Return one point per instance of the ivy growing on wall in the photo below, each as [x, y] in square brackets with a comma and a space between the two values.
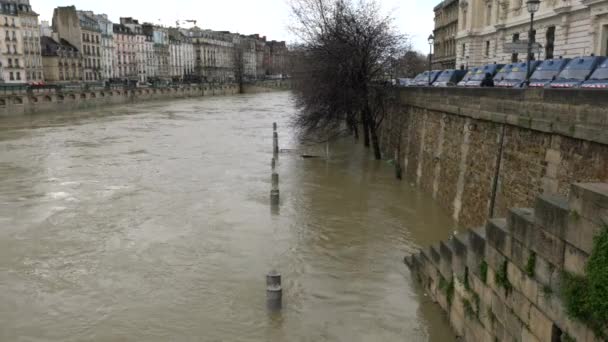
[586, 298]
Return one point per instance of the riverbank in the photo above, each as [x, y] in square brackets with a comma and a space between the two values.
[30, 101]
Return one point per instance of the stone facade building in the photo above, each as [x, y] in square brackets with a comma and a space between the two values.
[82, 31]
[108, 51]
[20, 59]
[567, 28]
[276, 56]
[181, 55]
[61, 61]
[139, 40]
[446, 27]
[214, 53]
[126, 53]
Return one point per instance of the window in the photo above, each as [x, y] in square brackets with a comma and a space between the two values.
[10, 62]
[12, 76]
[18, 76]
[533, 40]
[550, 45]
[17, 62]
[464, 48]
[488, 48]
[515, 56]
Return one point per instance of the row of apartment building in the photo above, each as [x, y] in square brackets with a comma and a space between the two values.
[81, 46]
[474, 32]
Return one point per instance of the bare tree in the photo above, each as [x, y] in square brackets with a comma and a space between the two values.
[348, 49]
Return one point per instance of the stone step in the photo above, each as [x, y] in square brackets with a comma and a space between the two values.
[552, 213]
[521, 225]
[498, 237]
[588, 216]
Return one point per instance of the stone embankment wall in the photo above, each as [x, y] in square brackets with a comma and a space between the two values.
[482, 151]
[503, 282]
[17, 102]
[266, 86]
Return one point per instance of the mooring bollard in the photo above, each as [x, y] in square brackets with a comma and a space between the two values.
[273, 164]
[275, 181]
[274, 197]
[274, 126]
[275, 143]
[274, 291]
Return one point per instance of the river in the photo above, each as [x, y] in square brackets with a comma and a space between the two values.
[152, 222]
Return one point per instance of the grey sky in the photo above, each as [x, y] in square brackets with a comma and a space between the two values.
[267, 17]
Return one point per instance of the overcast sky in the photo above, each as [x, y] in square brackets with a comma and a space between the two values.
[266, 17]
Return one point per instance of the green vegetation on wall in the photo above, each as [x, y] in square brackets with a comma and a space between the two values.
[586, 298]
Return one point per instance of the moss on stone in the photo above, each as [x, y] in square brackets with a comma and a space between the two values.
[483, 271]
[531, 265]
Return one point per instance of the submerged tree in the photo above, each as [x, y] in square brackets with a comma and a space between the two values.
[348, 50]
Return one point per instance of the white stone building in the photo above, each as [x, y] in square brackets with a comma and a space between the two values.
[567, 28]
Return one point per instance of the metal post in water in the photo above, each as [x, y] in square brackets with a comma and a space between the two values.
[274, 291]
[275, 143]
[273, 164]
[275, 181]
[274, 126]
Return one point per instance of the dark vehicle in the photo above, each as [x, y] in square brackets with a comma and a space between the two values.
[547, 71]
[422, 80]
[449, 78]
[503, 72]
[467, 77]
[491, 69]
[516, 78]
[599, 78]
[576, 72]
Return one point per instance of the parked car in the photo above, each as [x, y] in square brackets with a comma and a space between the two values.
[467, 77]
[491, 69]
[449, 78]
[547, 72]
[576, 72]
[599, 78]
[419, 78]
[516, 78]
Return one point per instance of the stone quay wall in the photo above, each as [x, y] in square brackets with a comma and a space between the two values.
[482, 151]
[21, 101]
[503, 282]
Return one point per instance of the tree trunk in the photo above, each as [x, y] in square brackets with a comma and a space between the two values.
[375, 142]
[366, 128]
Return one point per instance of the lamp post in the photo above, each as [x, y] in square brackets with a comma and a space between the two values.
[431, 41]
[533, 6]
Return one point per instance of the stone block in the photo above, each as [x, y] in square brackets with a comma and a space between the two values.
[459, 259]
[520, 254]
[474, 331]
[575, 260]
[498, 237]
[445, 263]
[546, 273]
[494, 258]
[540, 325]
[589, 201]
[505, 316]
[522, 283]
[520, 305]
[552, 213]
[581, 233]
[520, 222]
[527, 336]
[435, 257]
[549, 247]
[477, 241]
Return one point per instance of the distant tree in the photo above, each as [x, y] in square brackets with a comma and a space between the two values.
[347, 52]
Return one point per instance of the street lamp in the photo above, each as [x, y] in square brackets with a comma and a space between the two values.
[533, 6]
[431, 41]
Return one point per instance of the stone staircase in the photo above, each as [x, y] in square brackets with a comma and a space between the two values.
[502, 282]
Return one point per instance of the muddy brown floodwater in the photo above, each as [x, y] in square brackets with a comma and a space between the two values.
[152, 223]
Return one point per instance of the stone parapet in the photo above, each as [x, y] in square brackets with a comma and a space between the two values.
[510, 289]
